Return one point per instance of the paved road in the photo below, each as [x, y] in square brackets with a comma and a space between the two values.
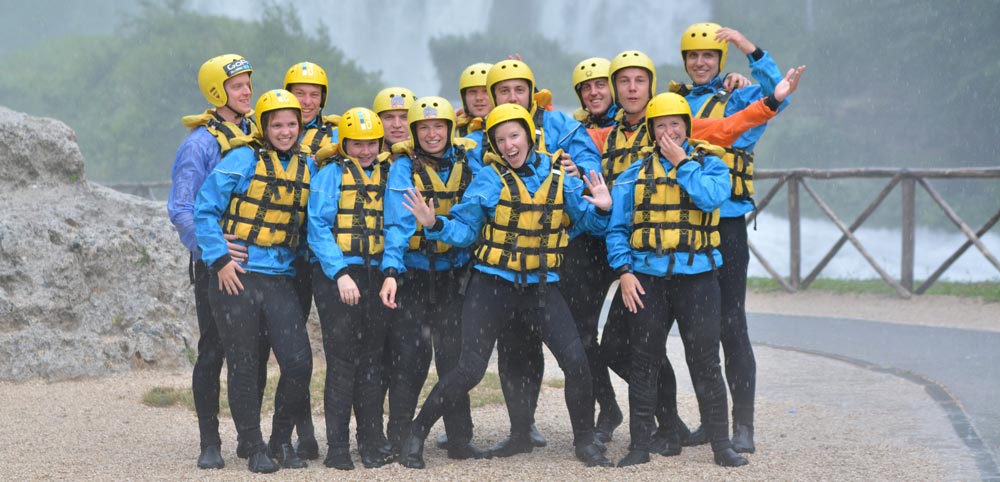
[955, 365]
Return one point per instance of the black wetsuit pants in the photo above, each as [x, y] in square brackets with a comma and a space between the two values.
[741, 366]
[418, 324]
[693, 300]
[491, 305]
[352, 341]
[266, 308]
[205, 385]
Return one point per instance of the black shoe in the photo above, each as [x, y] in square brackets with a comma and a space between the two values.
[211, 458]
[286, 456]
[666, 443]
[339, 458]
[592, 456]
[697, 437]
[607, 422]
[411, 453]
[729, 458]
[467, 451]
[743, 439]
[376, 457]
[442, 441]
[260, 463]
[536, 437]
[243, 448]
[307, 448]
[634, 457]
[512, 445]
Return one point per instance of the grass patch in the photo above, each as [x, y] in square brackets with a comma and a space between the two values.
[985, 290]
[488, 392]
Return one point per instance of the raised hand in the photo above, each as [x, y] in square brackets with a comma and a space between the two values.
[599, 195]
[422, 210]
[733, 36]
[789, 83]
[735, 81]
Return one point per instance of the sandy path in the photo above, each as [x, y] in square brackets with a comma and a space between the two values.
[816, 419]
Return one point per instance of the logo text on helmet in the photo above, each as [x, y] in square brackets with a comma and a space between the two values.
[397, 101]
[236, 66]
[430, 112]
[364, 121]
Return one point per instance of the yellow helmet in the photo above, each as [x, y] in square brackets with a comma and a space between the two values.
[216, 71]
[632, 58]
[431, 107]
[508, 112]
[273, 100]
[592, 68]
[701, 36]
[666, 104]
[361, 124]
[507, 70]
[307, 73]
[473, 76]
[393, 98]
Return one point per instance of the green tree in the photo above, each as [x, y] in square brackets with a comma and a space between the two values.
[124, 95]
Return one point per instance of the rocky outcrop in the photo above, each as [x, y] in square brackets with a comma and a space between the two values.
[92, 281]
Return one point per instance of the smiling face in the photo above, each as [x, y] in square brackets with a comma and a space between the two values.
[633, 89]
[674, 126]
[238, 93]
[701, 65]
[365, 151]
[310, 97]
[596, 95]
[512, 142]
[513, 91]
[432, 136]
[396, 128]
[282, 129]
[478, 101]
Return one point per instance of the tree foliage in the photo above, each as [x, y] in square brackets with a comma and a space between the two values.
[124, 95]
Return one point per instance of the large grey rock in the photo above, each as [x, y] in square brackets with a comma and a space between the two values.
[92, 281]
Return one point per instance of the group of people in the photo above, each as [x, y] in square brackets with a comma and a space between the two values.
[426, 232]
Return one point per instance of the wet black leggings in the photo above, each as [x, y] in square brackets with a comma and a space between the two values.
[491, 304]
[741, 367]
[303, 290]
[267, 307]
[693, 300]
[352, 341]
[418, 324]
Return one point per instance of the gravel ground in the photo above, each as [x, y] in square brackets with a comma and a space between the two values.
[817, 419]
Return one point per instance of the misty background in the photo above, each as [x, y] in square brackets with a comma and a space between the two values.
[889, 83]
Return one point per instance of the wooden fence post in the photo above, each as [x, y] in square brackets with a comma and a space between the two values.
[909, 228]
[794, 234]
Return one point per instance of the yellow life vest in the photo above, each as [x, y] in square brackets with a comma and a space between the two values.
[664, 218]
[739, 161]
[358, 229]
[527, 233]
[273, 209]
[228, 134]
[620, 150]
[445, 195]
[466, 125]
[316, 138]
